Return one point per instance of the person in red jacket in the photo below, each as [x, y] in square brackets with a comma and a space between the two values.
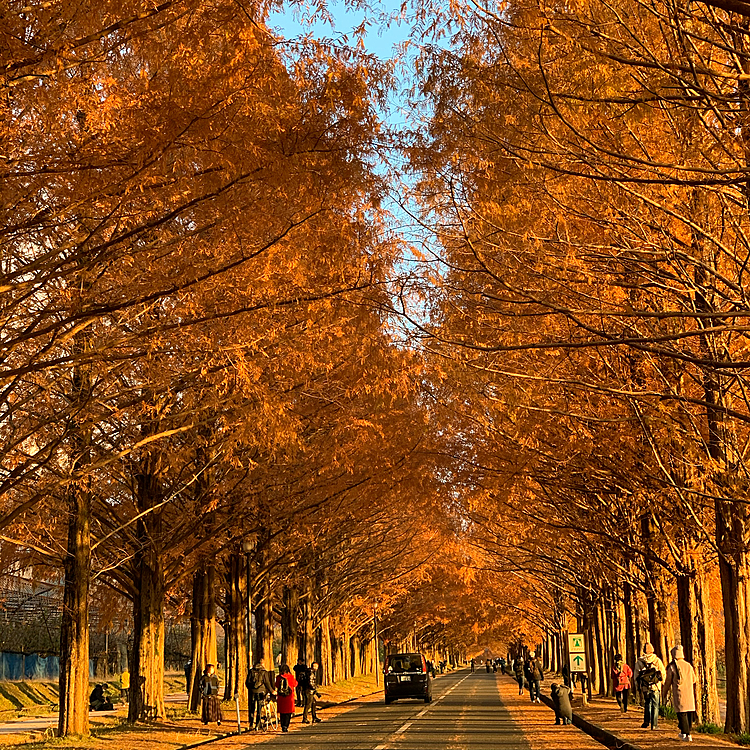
[285, 684]
[621, 674]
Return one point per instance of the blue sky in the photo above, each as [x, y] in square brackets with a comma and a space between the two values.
[379, 39]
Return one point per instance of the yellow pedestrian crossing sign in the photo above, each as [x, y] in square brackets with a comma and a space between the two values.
[575, 643]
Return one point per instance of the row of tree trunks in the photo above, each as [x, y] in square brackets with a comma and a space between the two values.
[611, 625]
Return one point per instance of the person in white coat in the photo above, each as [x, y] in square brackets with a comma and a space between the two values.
[649, 676]
[681, 678]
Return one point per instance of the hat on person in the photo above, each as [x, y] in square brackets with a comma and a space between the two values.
[678, 652]
[648, 649]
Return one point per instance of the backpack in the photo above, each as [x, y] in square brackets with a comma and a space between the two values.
[284, 688]
[258, 681]
[649, 676]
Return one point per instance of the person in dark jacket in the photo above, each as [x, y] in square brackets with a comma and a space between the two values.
[259, 685]
[188, 674]
[310, 693]
[518, 672]
[210, 703]
[561, 697]
[285, 702]
[300, 674]
[535, 675]
[98, 700]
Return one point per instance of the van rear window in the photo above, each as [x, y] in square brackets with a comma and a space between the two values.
[404, 663]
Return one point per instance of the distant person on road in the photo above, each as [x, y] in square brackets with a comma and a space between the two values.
[561, 697]
[621, 674]
[535, 675]
[649, 675]
[210, 702]
[259, 685]
[681, 678]
[487, 666]
[310, 693]
[285, 685]
[473, 666]
[300, 674]
[518, 672]
[188, 674]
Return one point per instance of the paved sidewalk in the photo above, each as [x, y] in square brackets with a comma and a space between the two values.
[603, 713]
[537, 722]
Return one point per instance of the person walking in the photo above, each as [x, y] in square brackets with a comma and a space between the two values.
[473, 665]
[681, 678]
[285, 685]
[210, 703]
[621, 674]
[300, 674]
[535, 675]
[310, 693]
[649, 675]
[188, 674]
[259, 685]
[518, 672]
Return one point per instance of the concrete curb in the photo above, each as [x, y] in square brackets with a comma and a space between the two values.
[609, 740]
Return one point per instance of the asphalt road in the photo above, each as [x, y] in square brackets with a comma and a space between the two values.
[466, 713]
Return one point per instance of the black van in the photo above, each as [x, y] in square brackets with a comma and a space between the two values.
[406, 676]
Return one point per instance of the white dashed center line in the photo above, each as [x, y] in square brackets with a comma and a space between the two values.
[404, 727]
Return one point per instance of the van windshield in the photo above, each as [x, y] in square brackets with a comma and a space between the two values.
[405, 662]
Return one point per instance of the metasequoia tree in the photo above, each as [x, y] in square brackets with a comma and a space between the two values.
[137, 143]
[601, 187]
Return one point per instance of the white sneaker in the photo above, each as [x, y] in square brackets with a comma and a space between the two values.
[689, 737]
[682, 736]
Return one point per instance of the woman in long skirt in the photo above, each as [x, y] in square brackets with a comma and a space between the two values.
[211, 705]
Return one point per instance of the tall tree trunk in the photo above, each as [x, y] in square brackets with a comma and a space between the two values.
[289, 636]
[697, 634]
[658, 616]
[732, 529]
[306, 632]
[264, 626]
[73, 683]
[147, 656]
[74, 631]
[325, 651]
[203, 628]
[235, 633]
